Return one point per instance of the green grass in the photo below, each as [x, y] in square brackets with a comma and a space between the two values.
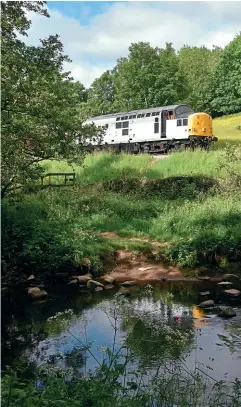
[191, 200]
[226, 128]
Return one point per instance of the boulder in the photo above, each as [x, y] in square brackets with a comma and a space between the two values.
[33, 290]
[82, 279]
[94, 284]
[128, 283]
[124, 291]
[31, 278]
[225, 283]
[39, 294]
[73, 282]
[204, 278]
[227, 277]
[208, 303]
[233, 292]
[227, 312]
[109, 280]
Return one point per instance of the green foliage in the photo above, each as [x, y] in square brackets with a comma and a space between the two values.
[39, 102]
[226, 84]
[197, 65]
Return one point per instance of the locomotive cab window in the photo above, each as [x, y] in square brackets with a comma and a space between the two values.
[185, 121]
[179, 122]
[125, 132]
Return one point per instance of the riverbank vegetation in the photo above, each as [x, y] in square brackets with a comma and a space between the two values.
[190, 201]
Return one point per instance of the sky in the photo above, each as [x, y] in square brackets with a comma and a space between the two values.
[95, 34]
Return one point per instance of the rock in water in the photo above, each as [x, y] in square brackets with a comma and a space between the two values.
[109, 286]
[227, 312]
[225, 283]
[73, 282]
[204, 278]
[39, 294]
[98, 289]
[204, 293]
[233, 292]
[124, 291]
[208, 303]
[128, 283]
[30, 278]
[82, 279]
[93, 284]
[109, 280]
[33, 290]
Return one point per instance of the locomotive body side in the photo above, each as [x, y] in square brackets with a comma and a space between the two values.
[154, 130]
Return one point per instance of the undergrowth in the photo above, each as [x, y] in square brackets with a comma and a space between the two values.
[190, 200]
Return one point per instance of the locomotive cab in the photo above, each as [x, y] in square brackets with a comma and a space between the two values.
[200, 125]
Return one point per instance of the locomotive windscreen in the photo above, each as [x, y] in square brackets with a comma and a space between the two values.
[183, 111]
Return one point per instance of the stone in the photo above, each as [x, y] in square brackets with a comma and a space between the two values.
[73, 282]
[208, 303]
[109, 280]
[98, 289]
[128, 283]
[227, 312]
[109, 286]
[33, 290]
[225, 283]
[233, 292]
[82, 279]
[204, 278]
[30, 278]
[124, 291]
[204, 293]
[227, 277]
[39, 294]
[94, 284]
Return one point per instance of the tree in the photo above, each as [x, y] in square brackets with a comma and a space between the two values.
[39, 102]
[197, 65]
[225, 97]
[101, 95]
[149, 77]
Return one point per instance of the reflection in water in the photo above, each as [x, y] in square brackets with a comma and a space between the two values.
[157, 326]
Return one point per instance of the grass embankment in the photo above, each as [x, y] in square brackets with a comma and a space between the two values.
[190, 200]
[227, 129]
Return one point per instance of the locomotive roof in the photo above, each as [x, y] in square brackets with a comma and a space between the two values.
[138, 111]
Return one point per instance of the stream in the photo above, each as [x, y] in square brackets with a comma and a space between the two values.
[160, 324]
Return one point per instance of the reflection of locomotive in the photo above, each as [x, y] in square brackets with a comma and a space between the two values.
[154, 130]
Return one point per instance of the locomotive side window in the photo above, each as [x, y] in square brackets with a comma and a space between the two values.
[156, 127]
[185, 121]
[122, 118]
[156, 119]
[126, 117]
[125, 125]
[148, 114]
[153, 114]
[138, 116]
[118, 125]
[179, 122]
[134, 117]
[125, 132]
[118, 118]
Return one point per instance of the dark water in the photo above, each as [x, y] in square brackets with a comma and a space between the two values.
[159, 325]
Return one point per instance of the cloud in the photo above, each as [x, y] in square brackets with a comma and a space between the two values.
[95, 45]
